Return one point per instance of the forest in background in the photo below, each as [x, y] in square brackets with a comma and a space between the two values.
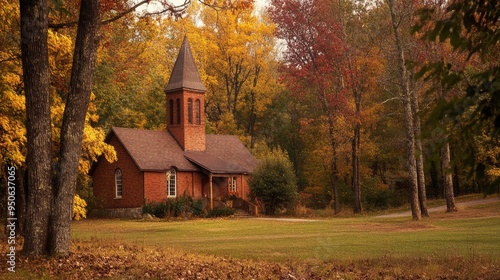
[320, 80]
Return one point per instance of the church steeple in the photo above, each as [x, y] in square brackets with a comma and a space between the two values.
[185, 102]
[185, 74]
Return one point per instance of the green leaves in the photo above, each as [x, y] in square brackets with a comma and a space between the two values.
[274, 182]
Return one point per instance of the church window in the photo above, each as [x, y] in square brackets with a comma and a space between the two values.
[197, 111]
[190, 111]
[231, 185]
[171, 183]
[178, 101]
[118, 183]
[171, 111]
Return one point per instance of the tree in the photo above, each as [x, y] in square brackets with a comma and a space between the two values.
[50, 199]
[315, 64]
[471, 29]
[274, 183]
[34, 49]
[242, 69]
[404, 85]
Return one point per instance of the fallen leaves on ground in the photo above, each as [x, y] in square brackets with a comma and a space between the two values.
[98, 259]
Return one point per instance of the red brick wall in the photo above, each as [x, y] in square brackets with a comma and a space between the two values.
[104, 180]
[190, 136]
[155, 185]
[155, 188]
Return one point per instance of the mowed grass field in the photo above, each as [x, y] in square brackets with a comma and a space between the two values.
[462, 245]
[471, 233]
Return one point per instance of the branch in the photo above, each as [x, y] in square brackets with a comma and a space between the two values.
[120, 15]
[174, 10]
[124, 13]
[390, 99]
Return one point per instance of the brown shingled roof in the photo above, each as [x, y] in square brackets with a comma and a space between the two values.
[155, 150]
[230, 149]
[185, 74]
[225, 154]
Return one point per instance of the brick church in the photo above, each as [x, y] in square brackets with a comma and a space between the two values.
[181, 160]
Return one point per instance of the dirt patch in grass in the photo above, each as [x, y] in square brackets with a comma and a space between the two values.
[405, 226]
[471, 212]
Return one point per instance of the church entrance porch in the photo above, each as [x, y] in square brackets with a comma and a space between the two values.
[227, 190]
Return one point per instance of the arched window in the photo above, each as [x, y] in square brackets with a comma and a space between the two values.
[171, 183]
[171, 111]
[190, 111]
[118, 183]
[197, 112]
[178, 111]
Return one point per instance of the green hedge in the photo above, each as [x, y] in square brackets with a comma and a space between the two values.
[182, 206]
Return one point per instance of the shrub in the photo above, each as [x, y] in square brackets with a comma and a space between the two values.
[79, 208]
[182, 206]
[220, 212]
[157, 209]
[274, 183]
[379, 196]
[315, 197]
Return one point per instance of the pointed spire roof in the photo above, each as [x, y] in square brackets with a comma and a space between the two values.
[185, 74]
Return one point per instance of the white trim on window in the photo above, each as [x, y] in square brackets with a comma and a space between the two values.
[231, 185]
[118, 184]
[171, 183]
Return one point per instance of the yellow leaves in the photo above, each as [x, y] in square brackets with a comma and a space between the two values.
[60, 60]
[488, 153]
[93, 146]
[12, 140]
[79, 208]
[14, 102]
[494, 171]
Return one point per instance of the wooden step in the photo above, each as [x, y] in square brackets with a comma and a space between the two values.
[241, 214]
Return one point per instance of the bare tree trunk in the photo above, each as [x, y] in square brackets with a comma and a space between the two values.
[447, 178]
[410, 132]
[358, 206]
[82, 77]
[34, 49]
[419, 155]
[334, 177]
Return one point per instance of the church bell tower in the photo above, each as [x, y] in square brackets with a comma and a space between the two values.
[185, 102]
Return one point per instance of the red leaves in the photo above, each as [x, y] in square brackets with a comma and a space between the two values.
[315, 50]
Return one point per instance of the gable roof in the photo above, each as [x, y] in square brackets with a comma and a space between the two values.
[157, 150]
[153, 150]
[185, 74]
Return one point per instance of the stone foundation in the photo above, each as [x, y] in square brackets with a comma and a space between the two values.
[122, 213]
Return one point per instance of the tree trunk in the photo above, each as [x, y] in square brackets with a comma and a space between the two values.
[410, 135]
[334, 178]
[419, 155]
[35, 60]
[447, 178]
[82, 77]
[20, 202]
[358, 207]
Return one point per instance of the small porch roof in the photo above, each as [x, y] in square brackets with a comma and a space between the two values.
[213, 164]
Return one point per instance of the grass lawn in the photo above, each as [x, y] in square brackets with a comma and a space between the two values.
[462, 245]
[343, 239]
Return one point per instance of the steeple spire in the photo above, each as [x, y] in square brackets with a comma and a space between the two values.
[185, 96]
[185, 74]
